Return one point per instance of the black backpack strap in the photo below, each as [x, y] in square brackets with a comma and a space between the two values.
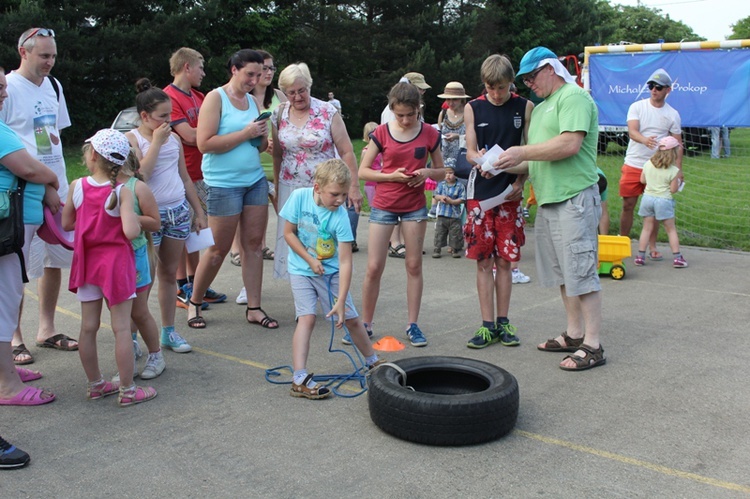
[23, 266]
[19, 251]
[55, 86]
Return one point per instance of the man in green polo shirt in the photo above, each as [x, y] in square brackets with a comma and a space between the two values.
[561, 154]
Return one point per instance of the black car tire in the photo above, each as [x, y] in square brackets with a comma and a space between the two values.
[455, 401]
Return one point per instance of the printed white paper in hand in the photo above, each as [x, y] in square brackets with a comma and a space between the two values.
[488, 204]
[196, 242]
[489, 159]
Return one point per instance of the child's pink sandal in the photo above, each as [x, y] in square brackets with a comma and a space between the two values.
[135, 395]
[101, 388]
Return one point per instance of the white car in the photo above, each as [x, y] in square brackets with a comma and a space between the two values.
[126, 120]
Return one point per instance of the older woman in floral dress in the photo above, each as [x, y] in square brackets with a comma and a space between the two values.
[306, 132]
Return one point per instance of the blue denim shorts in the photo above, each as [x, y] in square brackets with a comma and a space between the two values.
[229, 201]
[660, 208]
[383, 217]
[175, 223]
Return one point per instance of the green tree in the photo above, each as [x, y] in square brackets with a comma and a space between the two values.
[645, 25]
[358, 49]
[741, 29]
[103, 47]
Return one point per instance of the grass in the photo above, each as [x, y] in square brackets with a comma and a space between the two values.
[714, 208]
[713, 211]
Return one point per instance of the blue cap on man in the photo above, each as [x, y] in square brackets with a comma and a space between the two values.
[533, 58]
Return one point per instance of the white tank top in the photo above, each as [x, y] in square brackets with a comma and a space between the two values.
[165, 181]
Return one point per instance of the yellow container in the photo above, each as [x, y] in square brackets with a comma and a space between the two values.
[612, 251]
[614, 248]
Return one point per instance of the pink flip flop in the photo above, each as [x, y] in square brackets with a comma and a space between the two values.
[29, 396]
[51, 230]
[28, 374]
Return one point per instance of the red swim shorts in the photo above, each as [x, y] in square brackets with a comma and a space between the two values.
[497, 232]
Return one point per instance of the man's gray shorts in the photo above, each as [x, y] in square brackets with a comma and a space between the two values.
[567, 243]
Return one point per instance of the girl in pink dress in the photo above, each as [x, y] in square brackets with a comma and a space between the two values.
[103, 216]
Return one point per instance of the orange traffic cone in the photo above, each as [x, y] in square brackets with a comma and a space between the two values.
[388, 344]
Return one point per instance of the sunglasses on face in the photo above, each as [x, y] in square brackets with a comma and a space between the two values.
[39, 32]
[652, 86]
[528, 80]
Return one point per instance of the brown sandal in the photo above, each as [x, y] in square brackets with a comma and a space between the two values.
[318, 392]
[571, 344]
[592, 358]
[22, 350]
[59, 342]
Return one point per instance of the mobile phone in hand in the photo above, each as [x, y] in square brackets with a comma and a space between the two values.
[263, 116]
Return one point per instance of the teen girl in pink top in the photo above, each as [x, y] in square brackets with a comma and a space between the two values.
[405, 143]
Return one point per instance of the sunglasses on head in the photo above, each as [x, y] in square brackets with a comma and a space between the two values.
[653, 85]
[39, 32]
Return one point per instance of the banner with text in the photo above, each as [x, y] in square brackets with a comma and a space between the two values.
[709, 87]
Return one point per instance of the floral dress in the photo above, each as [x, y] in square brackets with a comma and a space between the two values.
[452, 148]
[306, 147]
[303, 148]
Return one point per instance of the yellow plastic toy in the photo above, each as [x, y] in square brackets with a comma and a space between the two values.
[612, 251]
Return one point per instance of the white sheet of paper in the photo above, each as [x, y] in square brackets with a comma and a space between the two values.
[488, 204]
[196, 242]
[489, 159]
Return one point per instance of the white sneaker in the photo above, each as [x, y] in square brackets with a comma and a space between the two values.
[116, 377]
[137, 349]
[242, 297]
[155, 365]
[520, 278]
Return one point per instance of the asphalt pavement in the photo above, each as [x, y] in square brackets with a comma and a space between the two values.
[665, 417]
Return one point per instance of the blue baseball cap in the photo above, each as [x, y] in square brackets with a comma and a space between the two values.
[533, 57]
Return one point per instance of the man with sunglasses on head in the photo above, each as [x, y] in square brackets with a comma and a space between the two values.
[649, 120]
[36, 110]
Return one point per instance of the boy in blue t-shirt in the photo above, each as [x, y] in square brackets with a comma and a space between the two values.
[320, 238]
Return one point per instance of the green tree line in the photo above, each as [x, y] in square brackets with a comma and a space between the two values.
[357, 49]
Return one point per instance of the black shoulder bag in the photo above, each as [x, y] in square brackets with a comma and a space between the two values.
[12, 228]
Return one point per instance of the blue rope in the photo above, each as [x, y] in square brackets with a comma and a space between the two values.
[332, 381]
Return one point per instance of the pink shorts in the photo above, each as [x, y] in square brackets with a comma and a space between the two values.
[498, 232]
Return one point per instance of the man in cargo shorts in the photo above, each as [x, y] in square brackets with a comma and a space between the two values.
[561, 152]
[649, 120]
